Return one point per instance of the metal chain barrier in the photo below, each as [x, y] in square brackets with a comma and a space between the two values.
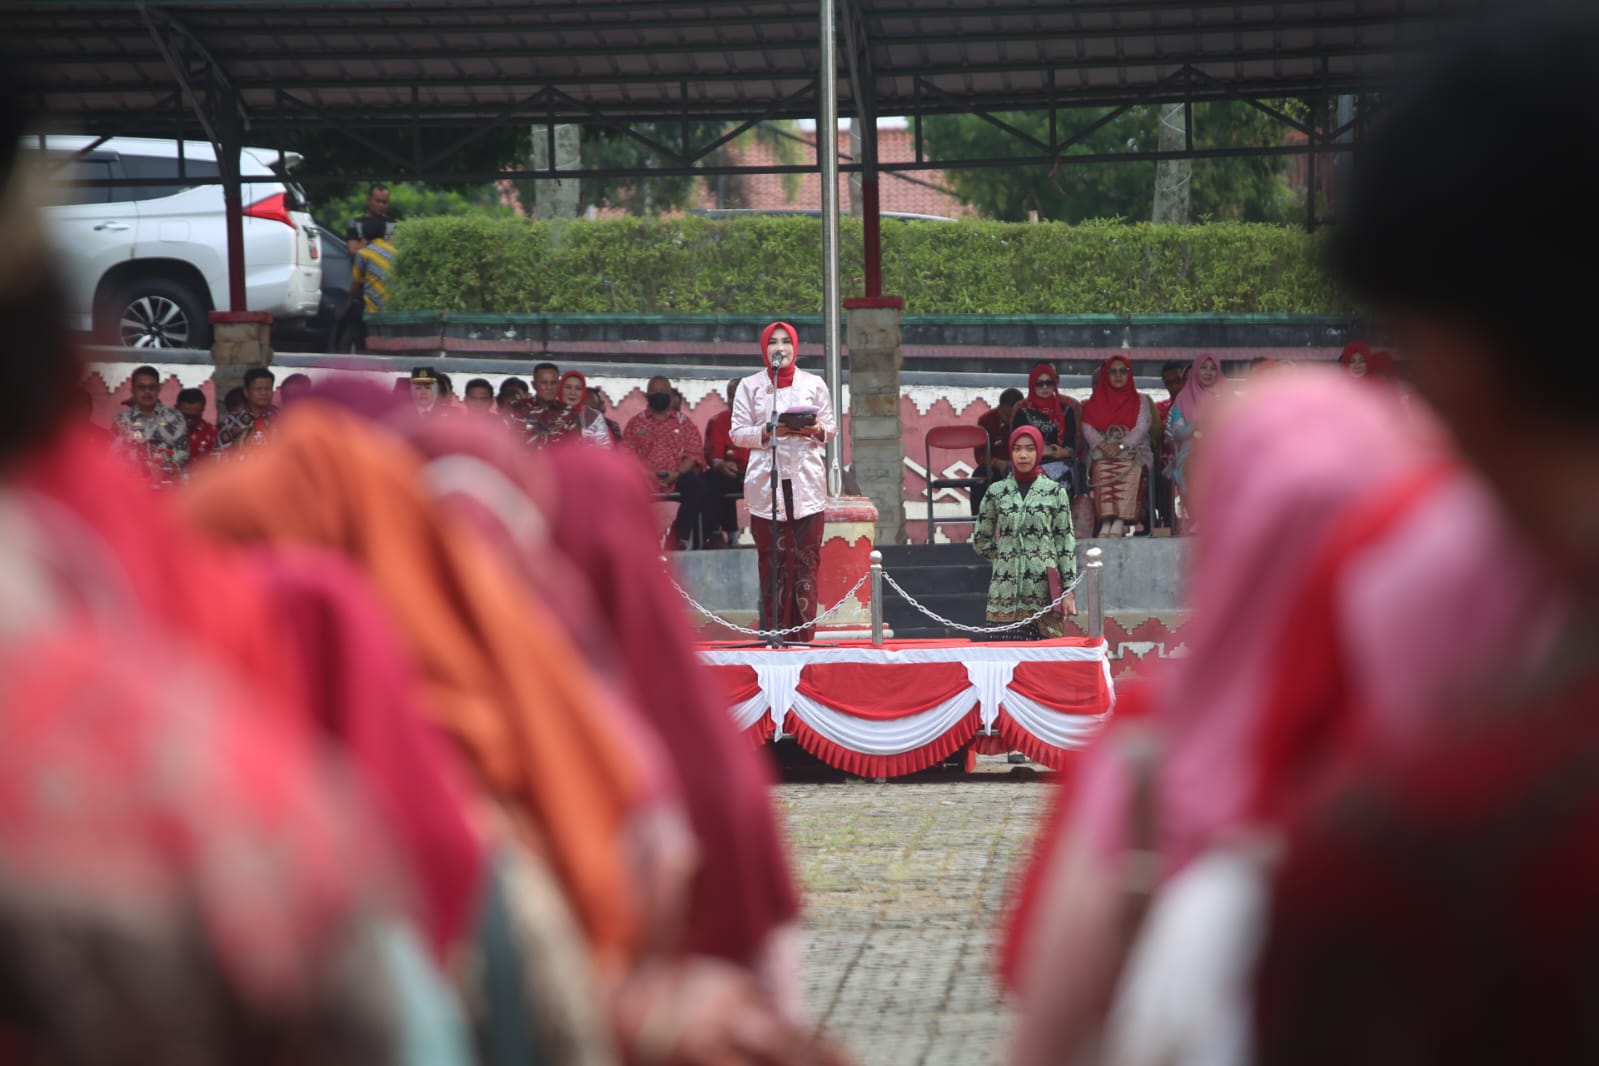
[768, 634]
[1007, 627]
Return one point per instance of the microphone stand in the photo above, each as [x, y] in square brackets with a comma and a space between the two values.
[773, 642]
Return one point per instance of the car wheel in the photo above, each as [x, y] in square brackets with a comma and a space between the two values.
[159, 313]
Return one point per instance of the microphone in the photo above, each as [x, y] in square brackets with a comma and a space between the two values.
[771, 372]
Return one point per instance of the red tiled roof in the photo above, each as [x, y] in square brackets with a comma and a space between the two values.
[923, 192]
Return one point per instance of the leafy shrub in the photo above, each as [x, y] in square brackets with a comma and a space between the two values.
[693, 265]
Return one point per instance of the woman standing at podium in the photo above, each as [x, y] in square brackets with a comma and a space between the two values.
[1025, 530]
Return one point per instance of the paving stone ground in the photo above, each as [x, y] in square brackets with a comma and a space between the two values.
[904, 884]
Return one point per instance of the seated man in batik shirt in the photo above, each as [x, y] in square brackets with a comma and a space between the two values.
[672, 451]
[151, 434]
[253, 426]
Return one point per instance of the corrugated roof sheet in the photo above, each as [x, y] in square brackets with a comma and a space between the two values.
[401, 63]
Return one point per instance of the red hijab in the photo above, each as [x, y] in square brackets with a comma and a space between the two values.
[1352, 349]
[294, 637]
[1109, 405]
[1038, 442]
[785, 376]
[1050, 406]
[581, 380]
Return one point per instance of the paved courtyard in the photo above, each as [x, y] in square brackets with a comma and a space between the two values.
[904, 885]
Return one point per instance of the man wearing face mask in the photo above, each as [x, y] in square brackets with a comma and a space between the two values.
[670, 447]
[795, 519]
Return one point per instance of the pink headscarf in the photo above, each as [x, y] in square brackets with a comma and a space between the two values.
[1194, 397]
[1276, 473]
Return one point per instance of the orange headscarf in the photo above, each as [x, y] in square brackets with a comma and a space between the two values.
[499, 675]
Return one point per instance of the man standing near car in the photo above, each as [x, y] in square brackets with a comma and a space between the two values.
[371, 275]
[376, 219]
[150, 433]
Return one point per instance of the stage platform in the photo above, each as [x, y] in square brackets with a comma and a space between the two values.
[911, 704]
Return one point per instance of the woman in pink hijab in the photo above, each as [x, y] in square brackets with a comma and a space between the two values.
[1203, 386]
[1392, 582]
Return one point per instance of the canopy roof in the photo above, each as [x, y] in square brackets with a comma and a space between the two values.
[112, 64]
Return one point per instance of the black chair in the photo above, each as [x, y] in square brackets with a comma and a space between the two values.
[677, 497]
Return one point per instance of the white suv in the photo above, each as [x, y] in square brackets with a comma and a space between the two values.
[143, 264]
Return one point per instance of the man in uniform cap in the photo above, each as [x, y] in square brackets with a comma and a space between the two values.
[425, 390]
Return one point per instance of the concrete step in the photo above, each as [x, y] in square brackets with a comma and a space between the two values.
[943, 582]
[926, 554]
[907, 621]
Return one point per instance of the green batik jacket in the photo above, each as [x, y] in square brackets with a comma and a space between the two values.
[1023, 536]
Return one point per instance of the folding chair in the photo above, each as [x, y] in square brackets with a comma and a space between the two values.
[953, 438]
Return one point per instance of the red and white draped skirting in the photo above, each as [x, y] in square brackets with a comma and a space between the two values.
[890, 711]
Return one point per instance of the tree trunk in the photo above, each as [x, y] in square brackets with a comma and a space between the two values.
[557, 197]
[856, 205]
[1173, 177]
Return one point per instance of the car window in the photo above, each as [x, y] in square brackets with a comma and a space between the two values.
[297, 198]
[59, 189]
[162, 173]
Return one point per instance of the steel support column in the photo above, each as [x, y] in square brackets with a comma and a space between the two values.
[229, 126]
[827, 157]
[862, 85]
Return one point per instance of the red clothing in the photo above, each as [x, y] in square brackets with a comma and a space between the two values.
[663, 443]
[202, 440]
[1108, 405]
[1052, 408]
[789, 596]
[719, 442]
[785, 376]
[293, 640]
[998, 429]
[602, 522]
[1459, 880]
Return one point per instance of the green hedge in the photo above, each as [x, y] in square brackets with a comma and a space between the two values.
[692, 265]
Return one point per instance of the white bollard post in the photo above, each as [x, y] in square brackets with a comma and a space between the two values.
[1094, 579]
[877, 598]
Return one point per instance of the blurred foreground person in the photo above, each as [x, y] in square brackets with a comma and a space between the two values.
[1436, 905]
[442, 516]
[189, 871]
[742, 905]
[1330, 601]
